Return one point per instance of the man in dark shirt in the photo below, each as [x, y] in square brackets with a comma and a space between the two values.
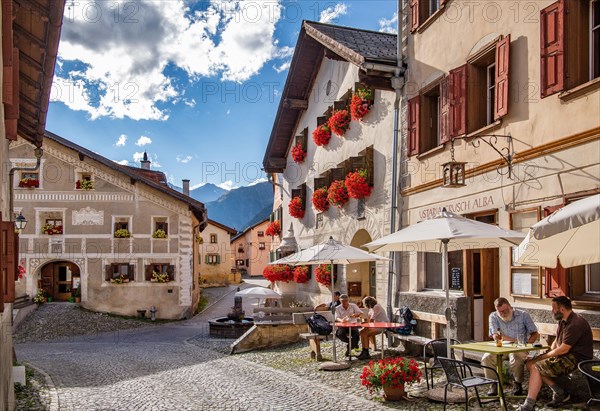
[573, 343]
[328, 306]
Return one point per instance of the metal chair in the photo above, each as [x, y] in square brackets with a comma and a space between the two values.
[439, 349]
[453, 370]
[593, 379]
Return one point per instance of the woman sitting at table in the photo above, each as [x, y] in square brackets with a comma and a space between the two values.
[376, 314]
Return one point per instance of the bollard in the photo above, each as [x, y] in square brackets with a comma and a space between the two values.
[153, 311]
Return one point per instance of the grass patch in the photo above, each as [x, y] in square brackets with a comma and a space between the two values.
[202, 304]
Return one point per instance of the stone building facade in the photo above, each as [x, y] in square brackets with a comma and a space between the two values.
[251, 249]
[215, 257]
[118, 235]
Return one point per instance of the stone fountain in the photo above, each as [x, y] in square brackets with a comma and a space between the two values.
[234, 325]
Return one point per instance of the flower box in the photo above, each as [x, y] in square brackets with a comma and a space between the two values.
[51, 229]
[319, 199]
[29, 183]
[357, 184]
[159, 234]
[278, 272]
[361, 102]
[122, 233]
[296, 208]
[301, 274]
[274, 229]
[337, 193]
[321, 135]
[84, 185]
[298, 153]
[339, 122]
[323, 275]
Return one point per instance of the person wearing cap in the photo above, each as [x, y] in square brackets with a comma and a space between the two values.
[347, 311]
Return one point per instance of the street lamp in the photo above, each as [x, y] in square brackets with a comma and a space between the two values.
[20, 222]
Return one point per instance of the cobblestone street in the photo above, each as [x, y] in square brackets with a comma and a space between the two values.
[176, 366]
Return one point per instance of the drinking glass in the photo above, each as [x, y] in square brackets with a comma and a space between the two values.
[521, 340]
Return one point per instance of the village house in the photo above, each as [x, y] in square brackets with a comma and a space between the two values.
[30, 37]
[118, 236]
[514, 99]
[331, 64]
[215, 259]
[251, 249]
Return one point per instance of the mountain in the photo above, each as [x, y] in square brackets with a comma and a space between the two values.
[242, 207]
[206, 193]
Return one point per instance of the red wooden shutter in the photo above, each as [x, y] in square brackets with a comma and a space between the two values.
[444, 111]
[413, 125]
[9, 265]
[502, 66]
[415, 14]
[552, 43]
[7, 54]
[556, 278]
[11, 111]
[458, 101]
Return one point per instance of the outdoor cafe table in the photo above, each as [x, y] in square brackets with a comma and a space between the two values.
[369, 325]
[491, 348]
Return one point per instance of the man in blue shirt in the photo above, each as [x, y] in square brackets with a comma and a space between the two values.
[512, 324]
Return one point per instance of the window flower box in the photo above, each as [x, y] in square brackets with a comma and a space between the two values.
[323, 275]
[301, 274]
[29, 183]
[357, 184]
[121, 279]
[361, 103]
[296, 208]
[278, 272]
[84, 185]
[52, 229]
[274, 229]
[298, 153]
[160, 277]
[337, 193]
[339, 122]
[159, 234]
[122, 233]
[319, 200]
[322, 135]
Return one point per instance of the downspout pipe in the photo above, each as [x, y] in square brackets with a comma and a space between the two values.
[38, 152]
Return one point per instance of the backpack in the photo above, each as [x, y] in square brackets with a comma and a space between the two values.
[405, 317]
[319, 324]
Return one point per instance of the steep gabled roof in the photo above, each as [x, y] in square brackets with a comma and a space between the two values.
[195, 206]
[248, 229]
[314, 41]
[230, 230]
[157, 176]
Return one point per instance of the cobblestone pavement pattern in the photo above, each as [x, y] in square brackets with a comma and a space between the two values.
[176, 366]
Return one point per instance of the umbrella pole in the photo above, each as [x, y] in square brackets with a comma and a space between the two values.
[447, 289]
[333, 308]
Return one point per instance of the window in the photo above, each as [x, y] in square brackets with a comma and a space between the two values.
[239, 262]
[585, 282]
[120, 271]
[433, 270]
[525, 280]
[570, 45]
[29, 180]
[421, 10]
[122, 225]
[52, 222]
[213, 259]
[261, 233]
[161, 228]
[261, 246]
[213, 239]
[319, 223]
[240, 248]
[160, 268]
[491, 92]
[430, 132]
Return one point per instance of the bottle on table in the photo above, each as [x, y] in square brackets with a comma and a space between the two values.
[498, 338]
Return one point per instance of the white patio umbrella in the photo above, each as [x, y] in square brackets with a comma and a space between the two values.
[437, 233]
[259, 292]
[570, 235]
[331, 252]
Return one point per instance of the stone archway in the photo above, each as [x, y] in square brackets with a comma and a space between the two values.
[360, 277]
[58, 278]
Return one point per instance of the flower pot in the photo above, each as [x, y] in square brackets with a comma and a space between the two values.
[393, 393]
[49, 299]
[77, 299]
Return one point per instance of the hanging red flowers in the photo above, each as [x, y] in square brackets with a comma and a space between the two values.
[323, 275]
[278, 272]
[321, 135]
[319, 199]
[298, 153]
[274, 229]
[361, 102]
[296, 208]
[337, 193]
[339, 122]
[358, 185]
[301, 274]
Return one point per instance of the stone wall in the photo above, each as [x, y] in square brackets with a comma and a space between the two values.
[267, 335]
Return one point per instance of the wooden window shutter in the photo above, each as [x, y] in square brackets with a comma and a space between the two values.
[149, 269]
[556, 278]
[7, 52]
[502, 85]
[457, 93]
[218, 259]
[9, 265]
[108, 271]
[415, 14]
[11, 111]
[206, 259]
[131, 272]
[444, 111]
[166, 225]
[552, 44]
[413, 125]
[171, 272]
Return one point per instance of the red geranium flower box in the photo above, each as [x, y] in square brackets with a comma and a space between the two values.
[357, 184]
[323, 275]
[339, 122]
[337, 193]
[359, 107]
[319, 199]
[321, 135]
[278, 272]
[273, 229]
[298, 154]
[296, 208]
[301, 274]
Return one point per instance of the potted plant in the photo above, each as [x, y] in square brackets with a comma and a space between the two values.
[323, 275]
[29, 183]
[339, 122]
[52, 229]
[301, 274]
[357, 184]
[120, 279]
[391, 374]
[159, 234]
[84, 185]
[160, 277]
[319, 199]
[199, 239]
[361, 102]
[321, 135]
[278, 272]
[337, 193]
[296, 208]
[76, 293]
[21, 271]
[40, 297]
[274, 229]
[298, 153]
[122, 233]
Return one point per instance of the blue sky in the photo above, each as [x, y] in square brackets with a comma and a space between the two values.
[196, 84]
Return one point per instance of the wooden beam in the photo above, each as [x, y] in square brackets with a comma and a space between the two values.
[33, 6]
[375, 82]
[295, 104]
[434, 318]
[35, 84]
[30, 37]
[30, 61]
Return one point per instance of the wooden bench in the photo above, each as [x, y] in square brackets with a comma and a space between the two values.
[549, 330]
[276, 314]
[436, 321]
[313, 338]
[22, 301]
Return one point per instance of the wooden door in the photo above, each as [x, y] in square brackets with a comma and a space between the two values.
[47, 279]
[63, 280]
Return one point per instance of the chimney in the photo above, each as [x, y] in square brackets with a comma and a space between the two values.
[145, 162]
[186, 187]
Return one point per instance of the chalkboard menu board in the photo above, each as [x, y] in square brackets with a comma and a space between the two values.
[456, 279]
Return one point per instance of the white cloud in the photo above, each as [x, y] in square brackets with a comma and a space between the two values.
[121, 141]
[143, 141]
[189, 103]
[389, 26]
[183, 159]
[331, 13]
[123, 75]
[227, 185]
[138, 156]
[228, 112]
[122, 162]
[283, 66]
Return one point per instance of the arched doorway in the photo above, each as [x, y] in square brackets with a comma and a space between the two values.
[58, 278]
[361, 276]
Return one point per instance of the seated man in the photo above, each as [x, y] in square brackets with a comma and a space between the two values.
[347, 311]
[574, 343]
[376, 314]
[328, 306]
[512, 323]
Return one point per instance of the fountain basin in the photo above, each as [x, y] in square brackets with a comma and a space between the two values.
[225, 328]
